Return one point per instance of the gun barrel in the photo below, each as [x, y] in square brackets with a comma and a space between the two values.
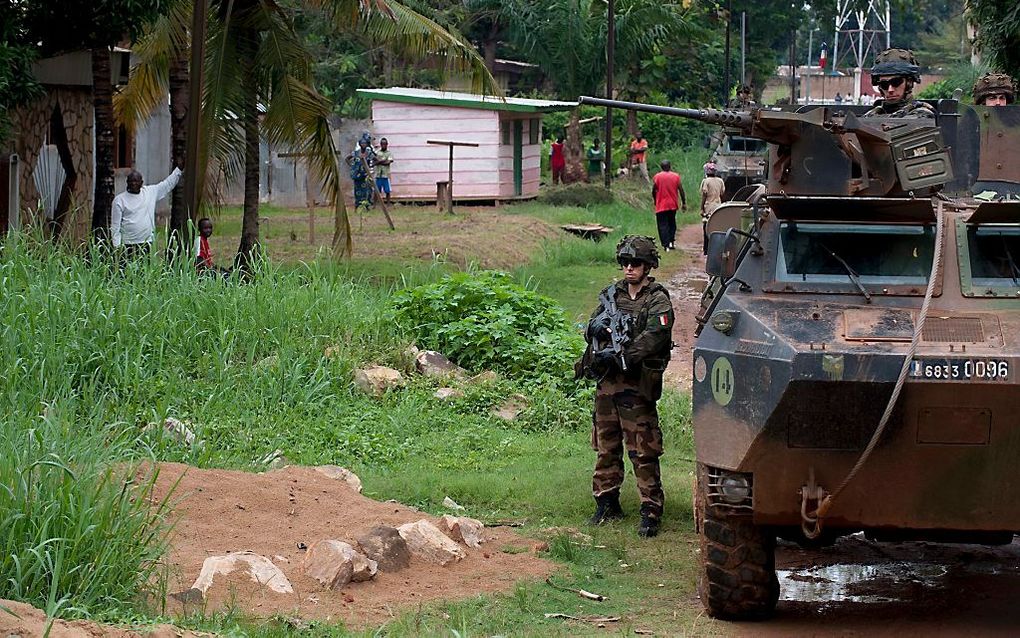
[737, 119]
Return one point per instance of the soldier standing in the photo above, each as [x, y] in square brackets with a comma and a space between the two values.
[895, 73]
[994, 89]
[629, 383]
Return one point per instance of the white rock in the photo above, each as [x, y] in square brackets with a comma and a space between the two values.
[260, 568]
[451, 504]
[463, 530]
[376, 380]
[446, 394]
[335, 563]
[341, 474]
[427, 542]
[435, 364]
[178, 430]
[511, 408]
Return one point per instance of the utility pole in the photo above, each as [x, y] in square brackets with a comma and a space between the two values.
[610, 54]
[726, 89]
[743, 48]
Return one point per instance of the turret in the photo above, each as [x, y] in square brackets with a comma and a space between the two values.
[834, 153]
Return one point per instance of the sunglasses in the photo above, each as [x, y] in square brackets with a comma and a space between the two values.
[631, 263]
[885, 84]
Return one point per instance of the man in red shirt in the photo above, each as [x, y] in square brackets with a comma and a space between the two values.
[557, 161]
[667, 192]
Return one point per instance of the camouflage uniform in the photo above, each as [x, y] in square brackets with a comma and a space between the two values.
[899, 63]
[625, 401]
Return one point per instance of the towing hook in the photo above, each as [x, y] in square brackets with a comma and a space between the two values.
[812, 499]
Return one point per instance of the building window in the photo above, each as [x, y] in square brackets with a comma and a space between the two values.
[534, 130]
[505, 128]
[123, 147]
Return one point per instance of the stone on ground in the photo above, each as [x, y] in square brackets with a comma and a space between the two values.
[386, 547]
[259, 568]
[335, 563]
[427, 542]
[448, 394]
[341, 474]
[176, 429]
[511, 408]
[376, 380]
[435, 364]
[485, 377]
[463, 529]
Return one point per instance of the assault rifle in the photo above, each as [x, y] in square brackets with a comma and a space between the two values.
[618, 324]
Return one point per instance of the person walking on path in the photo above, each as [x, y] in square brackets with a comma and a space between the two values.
[713, 189]
[667, 192]
[595, 158]
[638, 154]
[383, 160]
[133, 216]
[629, 383]
[557, 160]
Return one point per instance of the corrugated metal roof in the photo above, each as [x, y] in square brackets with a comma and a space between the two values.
[465, 100]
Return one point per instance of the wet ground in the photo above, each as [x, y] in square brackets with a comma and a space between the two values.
[862, 588]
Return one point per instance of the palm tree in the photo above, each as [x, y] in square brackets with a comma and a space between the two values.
[567, 39]
[255, 58]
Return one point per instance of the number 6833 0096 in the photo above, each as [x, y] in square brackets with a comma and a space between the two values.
[961, 369]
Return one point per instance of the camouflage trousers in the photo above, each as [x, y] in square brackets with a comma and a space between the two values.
[623, 415]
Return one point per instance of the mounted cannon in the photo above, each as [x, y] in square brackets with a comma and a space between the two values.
[835, 153]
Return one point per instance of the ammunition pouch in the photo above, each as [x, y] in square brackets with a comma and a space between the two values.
[650, 383]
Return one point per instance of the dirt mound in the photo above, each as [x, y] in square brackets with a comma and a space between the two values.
[18, 620]
[277, 514]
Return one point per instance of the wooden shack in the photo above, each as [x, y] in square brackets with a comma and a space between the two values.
[505, 165]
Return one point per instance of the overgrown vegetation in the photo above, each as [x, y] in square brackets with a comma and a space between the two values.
[576, 194]
[486, 321]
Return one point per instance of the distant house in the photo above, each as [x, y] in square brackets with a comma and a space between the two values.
[54, 138]
[505, 165]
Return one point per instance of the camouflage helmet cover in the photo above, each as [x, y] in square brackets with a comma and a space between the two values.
[897, 62]
[994, 84]
[638, 247]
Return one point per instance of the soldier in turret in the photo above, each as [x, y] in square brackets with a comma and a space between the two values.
[895, 73]
[994, 89]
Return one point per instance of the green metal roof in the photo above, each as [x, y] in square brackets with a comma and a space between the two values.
[465, 100]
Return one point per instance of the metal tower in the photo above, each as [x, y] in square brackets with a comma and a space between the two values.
[862, 30]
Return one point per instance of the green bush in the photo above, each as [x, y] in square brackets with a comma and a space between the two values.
[578, 194]
[486, 321]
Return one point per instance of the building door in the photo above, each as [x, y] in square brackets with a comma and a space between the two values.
[518, 157]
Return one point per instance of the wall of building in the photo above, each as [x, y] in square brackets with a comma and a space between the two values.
[417, 166]
[531, 154]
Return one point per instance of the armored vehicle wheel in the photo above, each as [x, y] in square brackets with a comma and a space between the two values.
[738, 563]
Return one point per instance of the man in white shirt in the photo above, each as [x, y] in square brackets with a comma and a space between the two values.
[133, 219]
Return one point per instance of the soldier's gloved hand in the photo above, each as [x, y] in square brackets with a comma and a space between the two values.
[605, 358]
[602, 333]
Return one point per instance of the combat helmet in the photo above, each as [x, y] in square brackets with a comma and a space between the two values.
[638, 247]
[993, 84]
[897, 62]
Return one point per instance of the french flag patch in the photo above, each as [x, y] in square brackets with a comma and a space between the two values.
[663, 320]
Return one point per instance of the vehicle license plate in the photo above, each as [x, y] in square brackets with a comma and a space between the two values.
[961, 369]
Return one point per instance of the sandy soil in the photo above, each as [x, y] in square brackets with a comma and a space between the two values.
[220, 511]
[18, 620]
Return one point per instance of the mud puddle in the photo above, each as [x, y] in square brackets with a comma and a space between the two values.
[851, 582]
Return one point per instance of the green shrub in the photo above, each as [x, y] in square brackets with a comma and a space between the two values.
[486, 321]
[578, 194]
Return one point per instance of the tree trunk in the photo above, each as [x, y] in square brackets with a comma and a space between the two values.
[573, 151]
[102, 102]
[632, 125]
[250, 122]
[180, 230]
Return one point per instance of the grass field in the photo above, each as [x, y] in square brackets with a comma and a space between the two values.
[93, 355]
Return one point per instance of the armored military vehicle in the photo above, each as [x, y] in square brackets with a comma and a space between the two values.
[856, 367]
[739, 159]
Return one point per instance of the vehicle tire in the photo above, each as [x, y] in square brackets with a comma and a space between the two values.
[737, 578]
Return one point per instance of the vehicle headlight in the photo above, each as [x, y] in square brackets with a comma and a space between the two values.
[734, 488]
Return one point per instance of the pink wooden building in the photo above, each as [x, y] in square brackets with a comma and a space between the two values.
[506, 163]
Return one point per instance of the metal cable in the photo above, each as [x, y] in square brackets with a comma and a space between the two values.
[936, 263]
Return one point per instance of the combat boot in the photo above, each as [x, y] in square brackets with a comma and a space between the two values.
[649, 525]
[607, 508]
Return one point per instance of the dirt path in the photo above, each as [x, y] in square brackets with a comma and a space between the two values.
[686, 296]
